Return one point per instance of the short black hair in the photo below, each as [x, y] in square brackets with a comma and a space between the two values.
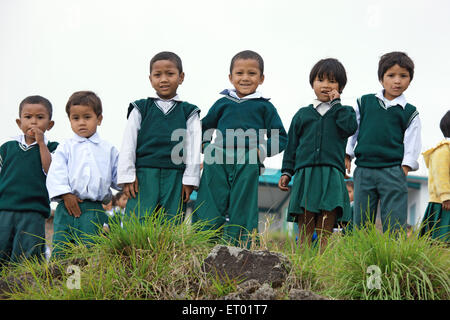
[85, 98]
[390, 59]
[245, 55]
[445, 125]
[167, 55]
[332, 69]
[37, 100]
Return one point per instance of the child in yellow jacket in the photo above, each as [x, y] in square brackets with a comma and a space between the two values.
[437, 215]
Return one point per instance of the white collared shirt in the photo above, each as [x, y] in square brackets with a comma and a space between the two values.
[21, 140]
[412, 139]
[321, 107]
[127, 157]
[85, 167]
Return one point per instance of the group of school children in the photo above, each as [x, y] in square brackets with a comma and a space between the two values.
[159, 164]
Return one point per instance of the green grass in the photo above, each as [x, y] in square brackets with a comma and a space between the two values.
[158, 259]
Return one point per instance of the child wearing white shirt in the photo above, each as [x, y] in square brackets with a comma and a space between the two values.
[83, 170]
[153, 172]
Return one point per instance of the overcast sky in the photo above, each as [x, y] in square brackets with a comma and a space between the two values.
[53, 48]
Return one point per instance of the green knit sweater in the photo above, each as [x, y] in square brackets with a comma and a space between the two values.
[22, 179]
[154, 144]
[315, 140]
[245, 123]
[381, 132]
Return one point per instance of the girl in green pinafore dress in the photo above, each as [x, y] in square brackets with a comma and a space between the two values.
[315, 155]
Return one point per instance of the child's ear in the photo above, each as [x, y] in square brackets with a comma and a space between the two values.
[261, 80]
[181, 78]
[19, 123]
[50, 125]
[99, 120]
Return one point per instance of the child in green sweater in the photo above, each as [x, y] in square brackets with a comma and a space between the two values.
[315, 155]
[154, 172]
[388, 145]
[24, 200]
[228, 192]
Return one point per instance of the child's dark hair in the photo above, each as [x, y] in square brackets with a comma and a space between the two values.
[248, 54]
[116, 197]
[37, 100]
[332, 69]
[167, 55]
[390, 59]
[85, 98]
[445, 125]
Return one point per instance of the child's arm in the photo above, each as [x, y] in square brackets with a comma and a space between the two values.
[46, 157]
[345, 116]
[126, 169]
[114, 164]
[412, 142]
[275, 143]
[191, 175]
[288, 164]
[58, 184]
[351, 142]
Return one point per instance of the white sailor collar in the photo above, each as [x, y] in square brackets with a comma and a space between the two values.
[232, 93]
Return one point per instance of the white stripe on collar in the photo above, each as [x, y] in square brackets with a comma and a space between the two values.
[21, 139]
[401, 100]
[232, 93]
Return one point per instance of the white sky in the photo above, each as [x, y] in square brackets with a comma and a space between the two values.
[54, 47]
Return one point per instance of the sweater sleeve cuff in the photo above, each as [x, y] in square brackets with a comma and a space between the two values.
[285, 173]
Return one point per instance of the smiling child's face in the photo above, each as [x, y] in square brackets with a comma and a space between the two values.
[32, 117]
[395, 81]
[246, 76]
[165, 78]
[84, 120]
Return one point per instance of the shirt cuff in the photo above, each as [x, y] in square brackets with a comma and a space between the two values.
[191, 181]
[286, 174]
[413, 164]
[125, 179]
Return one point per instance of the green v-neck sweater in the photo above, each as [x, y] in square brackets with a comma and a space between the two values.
[315, 140]
[22, 179]
[381, 132]
[247, 121]
[154, 140]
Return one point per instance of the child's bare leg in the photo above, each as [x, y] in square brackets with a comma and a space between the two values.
[306, 226]
[324, 227]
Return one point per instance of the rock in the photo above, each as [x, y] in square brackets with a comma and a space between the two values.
[236, 263]
[12, 284]
[265, 292]
[252, 290]
[297, 294]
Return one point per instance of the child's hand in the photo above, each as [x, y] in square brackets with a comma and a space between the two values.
[348, 163]
[71, 203]
[334, 94]
[283, 183]
[446, 205]
[130, 189]
[406, 169]
[38, 134]
[186, 192]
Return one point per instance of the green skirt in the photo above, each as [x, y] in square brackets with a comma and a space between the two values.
[437, 222]
[317, 189]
